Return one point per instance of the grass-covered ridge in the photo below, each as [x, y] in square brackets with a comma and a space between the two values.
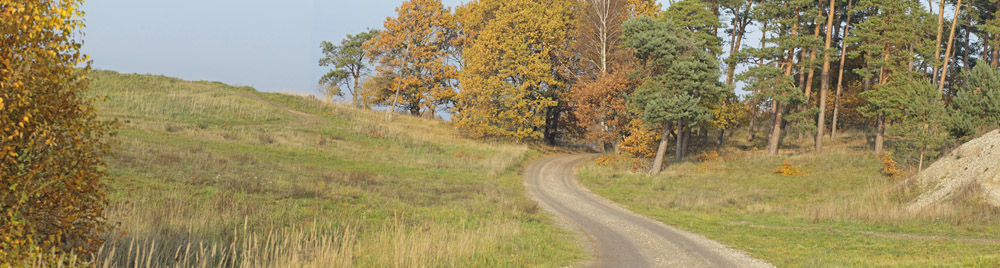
[839, 211]
[207, 174]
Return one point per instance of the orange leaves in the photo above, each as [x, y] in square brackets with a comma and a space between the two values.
[787, 169]
[413, 53]
[600, 106]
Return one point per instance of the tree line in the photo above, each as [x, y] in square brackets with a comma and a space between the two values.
[634, 77]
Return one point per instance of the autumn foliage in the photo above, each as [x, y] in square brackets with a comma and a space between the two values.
[415, 58]
[602, 109]
[510, 81]
[51, 145]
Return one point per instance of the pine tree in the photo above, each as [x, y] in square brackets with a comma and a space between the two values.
[349, 65]
[772, 80]
[680, 77]
[977, 102]
[893, 33]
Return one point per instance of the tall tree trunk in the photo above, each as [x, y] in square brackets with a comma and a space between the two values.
[551, 124]
[739, 30]
[755, 108]
[880, 134]
[801, 70]
[721, 140]
[354, 93]
[812, 58]
[661, 150]
[685, 142]
[965, 45]
[840, 77]
[951, 43]
[680, 140]
[994, 59]
[774, 139]
[994, 52]
[825, 79]
[937, 44]
[920, 166]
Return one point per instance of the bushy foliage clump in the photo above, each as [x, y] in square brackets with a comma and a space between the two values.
[52, 145]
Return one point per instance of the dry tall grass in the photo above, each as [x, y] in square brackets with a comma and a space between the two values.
[208, 175]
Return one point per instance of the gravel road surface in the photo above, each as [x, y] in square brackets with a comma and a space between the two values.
[616, 236]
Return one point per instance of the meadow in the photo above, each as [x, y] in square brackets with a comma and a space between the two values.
[834, 209]
[205, 175]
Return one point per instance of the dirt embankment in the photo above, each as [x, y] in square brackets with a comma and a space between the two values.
[974, 165]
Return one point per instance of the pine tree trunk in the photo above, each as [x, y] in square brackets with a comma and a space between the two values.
[734, 47]
[995, 53]
[825, 80]
[753, 103]
[965, 53]
[661, 150]
[812, 71]
[951, 43]
[801, 72]
[937, 45]
[840, 78]
[920, 167]
[680, 140]
[685, 142]
[721, 139]
[774, 140]
[354, 93]
[880, 134]
[753, 119]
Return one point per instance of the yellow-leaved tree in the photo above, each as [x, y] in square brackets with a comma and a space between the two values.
[416, 67]
[511, 79]
[51, 143]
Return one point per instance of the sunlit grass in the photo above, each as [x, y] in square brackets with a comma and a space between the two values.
[208, 175]
[842, 213]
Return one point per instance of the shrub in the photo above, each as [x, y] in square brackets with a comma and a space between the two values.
[889, 168]
[605, 160]
[641, 142]
[787, 169]
[52, 145]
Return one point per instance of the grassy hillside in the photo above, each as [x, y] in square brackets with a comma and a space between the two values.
[838, 212]
[207, 174]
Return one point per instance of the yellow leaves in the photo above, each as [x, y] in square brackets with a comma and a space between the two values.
[508, 80]
[43, 34]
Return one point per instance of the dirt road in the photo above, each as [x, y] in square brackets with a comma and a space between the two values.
[617, 237]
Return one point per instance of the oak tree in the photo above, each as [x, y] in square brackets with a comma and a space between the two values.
[415, 51]
[511, 85]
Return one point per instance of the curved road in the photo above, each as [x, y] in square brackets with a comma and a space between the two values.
[616, 236]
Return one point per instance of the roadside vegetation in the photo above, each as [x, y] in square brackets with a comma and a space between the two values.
[835, 209]
[206, 174]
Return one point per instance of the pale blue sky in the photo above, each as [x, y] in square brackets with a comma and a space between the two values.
[271, 45]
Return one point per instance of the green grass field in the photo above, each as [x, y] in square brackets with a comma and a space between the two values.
[843, 213]
[206, 174]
